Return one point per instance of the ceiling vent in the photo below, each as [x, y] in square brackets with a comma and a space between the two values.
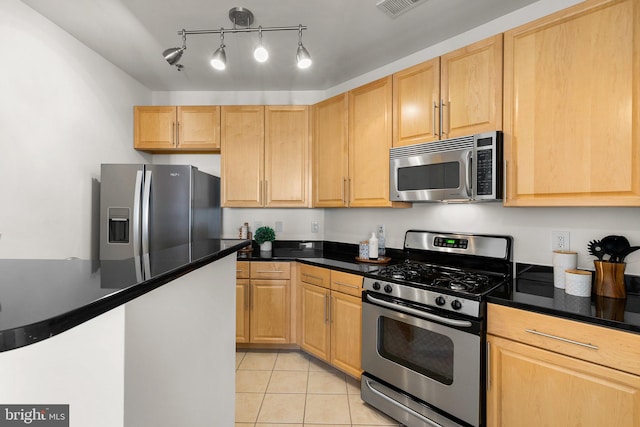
[394, 8]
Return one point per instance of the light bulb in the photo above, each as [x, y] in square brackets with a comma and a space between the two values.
[219, 59]
[261, 54]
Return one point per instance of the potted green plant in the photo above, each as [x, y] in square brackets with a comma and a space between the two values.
[264, 236]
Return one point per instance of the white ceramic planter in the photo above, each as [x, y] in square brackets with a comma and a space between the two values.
[266, 247]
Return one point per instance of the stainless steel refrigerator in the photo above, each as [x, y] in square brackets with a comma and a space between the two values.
[150, 216]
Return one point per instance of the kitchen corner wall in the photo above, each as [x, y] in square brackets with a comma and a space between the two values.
[64, 110]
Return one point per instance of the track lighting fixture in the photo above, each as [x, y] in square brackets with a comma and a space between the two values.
[244, 18]
[219, 57]
[260, 54]
[173, 55]
[302, 56]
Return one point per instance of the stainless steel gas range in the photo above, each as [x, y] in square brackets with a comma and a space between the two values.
[423, 328]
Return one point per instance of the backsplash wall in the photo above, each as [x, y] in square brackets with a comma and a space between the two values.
[530, 227]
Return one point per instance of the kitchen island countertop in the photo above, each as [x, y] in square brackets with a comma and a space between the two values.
[42, 298]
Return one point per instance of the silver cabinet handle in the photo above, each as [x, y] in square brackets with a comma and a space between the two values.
[266, 192]
[269, 271]
[442, 105]
[311, 276]
[347, 285]
[326, 308]
[533, 331]
[435, 109]
[488, 365]
[173, 133]
[177, 133]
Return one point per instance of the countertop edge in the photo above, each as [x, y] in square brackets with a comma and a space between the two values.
[21, 336]
[495, 299]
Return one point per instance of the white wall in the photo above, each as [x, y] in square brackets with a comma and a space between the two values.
[63, 111]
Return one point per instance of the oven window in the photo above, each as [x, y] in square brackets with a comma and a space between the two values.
[421, 350]
[429, 177]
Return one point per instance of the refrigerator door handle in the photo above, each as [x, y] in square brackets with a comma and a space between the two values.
[146, 199]
[136, 224]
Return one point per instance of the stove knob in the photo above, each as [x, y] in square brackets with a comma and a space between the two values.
[376, 286]
[456, 305]
[388, 289]
[440, 301]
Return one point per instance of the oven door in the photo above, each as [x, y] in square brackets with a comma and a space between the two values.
[431, 176]
[433, 358]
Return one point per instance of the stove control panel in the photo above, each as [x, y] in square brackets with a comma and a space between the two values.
[424, 296]
[456, 243]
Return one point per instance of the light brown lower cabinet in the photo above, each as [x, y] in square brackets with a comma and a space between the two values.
[263, 307]
[331, 317]
[540, 380]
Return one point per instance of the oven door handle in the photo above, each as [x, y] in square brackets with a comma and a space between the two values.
[401, 406]
[420, 313]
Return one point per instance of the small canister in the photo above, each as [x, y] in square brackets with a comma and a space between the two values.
[563, 260]
[577, 282]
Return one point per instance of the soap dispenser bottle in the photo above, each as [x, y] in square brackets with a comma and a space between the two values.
[373, 246]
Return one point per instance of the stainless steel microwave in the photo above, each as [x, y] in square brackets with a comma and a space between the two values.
[454, 170]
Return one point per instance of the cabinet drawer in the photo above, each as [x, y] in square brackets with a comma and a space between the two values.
[315, 275]
[601, 345]
[347, 283]
[242, 269]
[270, 270]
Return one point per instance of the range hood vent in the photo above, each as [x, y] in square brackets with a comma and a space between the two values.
[394, 8]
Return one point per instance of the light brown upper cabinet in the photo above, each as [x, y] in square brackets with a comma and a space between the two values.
[265, 156]
[369, 143]
[159, 129]
[457, 94]
[571, 113]
[331, 152]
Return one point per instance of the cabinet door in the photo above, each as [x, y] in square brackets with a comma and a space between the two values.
[529, 386]
[330, 152]
[369, 143]
[270, 311]
[472, 89]
[571, 107]
[242, 310]
[154, 128]
[286, 156]
[199, 128]
[416, 103]
[315, 331]
[242, 156]
[346, 333]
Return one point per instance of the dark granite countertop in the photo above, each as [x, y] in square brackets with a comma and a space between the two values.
[42, 298]
[332, 255]
[533, 290]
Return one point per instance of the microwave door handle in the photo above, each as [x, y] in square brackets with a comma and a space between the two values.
[469, 174]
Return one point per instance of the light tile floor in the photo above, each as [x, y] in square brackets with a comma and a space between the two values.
[291, 389]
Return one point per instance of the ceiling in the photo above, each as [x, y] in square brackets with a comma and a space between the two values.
[346, 38]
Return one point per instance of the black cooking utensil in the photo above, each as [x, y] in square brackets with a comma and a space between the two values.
[622, 255]
[595, 249]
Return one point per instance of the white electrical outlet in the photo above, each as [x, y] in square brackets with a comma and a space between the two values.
[380, 228]
[560, 241]
[315, 227]
[279, 227]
